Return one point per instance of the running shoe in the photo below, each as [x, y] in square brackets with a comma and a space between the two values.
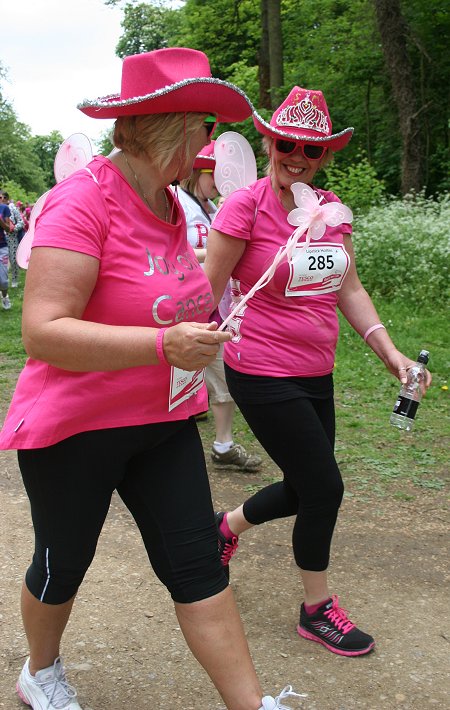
[331, 627]
[48, 689]
[227, 545]
[236, 457]
[6, 303]
[269, 703]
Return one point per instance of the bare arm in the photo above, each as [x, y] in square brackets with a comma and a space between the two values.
[53, 331]
[222, 255]
[357, 307]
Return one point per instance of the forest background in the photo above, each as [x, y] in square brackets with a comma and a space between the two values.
[383, 66]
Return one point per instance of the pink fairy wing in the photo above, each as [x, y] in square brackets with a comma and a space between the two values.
[24, 248]
[335, 213]
[75, 153]
[235, 163]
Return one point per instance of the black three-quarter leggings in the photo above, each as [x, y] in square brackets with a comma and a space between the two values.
[159, 472]
[298, 434]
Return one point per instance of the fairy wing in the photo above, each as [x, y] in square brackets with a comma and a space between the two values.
[24, 248]
[235, 163]
[73, 154]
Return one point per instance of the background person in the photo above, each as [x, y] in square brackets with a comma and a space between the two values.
[5, 228]
[14, 237]
[196, 197]
[279, 363]
[119, 333]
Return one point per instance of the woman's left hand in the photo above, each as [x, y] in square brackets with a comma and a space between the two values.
[398, 364]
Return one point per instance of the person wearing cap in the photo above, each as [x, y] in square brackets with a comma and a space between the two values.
[279, 363]
[117, 340]
[196, 198]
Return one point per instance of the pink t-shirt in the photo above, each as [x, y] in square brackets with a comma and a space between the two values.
[148, 276]
[289, 328]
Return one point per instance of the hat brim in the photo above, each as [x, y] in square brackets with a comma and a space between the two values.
[199, 95]
[335, 142]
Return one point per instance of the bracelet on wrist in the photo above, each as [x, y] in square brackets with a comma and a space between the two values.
[159, 345]
[372, 328]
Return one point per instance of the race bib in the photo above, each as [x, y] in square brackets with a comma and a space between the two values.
[318, 268]
[183, 384]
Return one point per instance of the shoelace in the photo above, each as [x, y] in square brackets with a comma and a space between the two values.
[229, 549]
[58, 690]
[339, 616]
[286, 693]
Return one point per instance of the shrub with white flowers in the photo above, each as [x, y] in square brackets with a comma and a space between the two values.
[403, 249]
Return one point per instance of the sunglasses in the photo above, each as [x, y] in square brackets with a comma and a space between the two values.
[210, 123]
[311, 151]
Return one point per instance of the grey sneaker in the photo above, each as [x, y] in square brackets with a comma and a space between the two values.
[48, 689]
[6, 303]
[269, 703]
[236, 457]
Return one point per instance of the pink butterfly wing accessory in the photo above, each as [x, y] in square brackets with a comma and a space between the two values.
[309, 216]
[235, 163]
[73, 154]
[24, 248]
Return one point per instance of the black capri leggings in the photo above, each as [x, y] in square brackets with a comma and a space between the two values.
[298, 434]
[159, 472]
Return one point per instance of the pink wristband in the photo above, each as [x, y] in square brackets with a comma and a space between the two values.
[159, 346]
[371, 329]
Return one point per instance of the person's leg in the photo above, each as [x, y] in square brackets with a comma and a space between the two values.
[223, 421]
[69, 486]
[167, 492]
[298, 434]
[225, 452]
[13, 244]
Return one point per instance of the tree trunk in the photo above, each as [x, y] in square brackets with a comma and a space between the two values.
[264, 60]
[275, 50]
[393, 31]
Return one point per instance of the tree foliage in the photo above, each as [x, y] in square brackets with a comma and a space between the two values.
[335, 46]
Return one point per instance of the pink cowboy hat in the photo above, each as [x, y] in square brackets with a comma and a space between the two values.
[303, 117]
[168, 81]
[205, 160]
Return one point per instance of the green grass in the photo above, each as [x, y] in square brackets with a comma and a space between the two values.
[376, 459]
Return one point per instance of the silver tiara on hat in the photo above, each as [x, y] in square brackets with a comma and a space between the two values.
[304, 115]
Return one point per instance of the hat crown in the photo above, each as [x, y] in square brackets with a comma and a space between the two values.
[148, 72]
[305, 109]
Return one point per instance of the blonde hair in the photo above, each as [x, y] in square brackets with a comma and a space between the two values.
[268, 142]
[190, 184]
[160, 136]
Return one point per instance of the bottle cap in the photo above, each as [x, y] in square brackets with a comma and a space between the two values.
[423, 356]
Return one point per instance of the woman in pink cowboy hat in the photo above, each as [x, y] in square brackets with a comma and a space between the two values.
[117, 344]
[279, 363]
[196, 197]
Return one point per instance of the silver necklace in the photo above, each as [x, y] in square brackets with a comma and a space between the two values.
[166, 217]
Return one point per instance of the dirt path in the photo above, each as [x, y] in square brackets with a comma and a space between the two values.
[124, 649]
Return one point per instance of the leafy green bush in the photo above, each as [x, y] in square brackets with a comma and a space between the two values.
[402, 249]
[357, 185]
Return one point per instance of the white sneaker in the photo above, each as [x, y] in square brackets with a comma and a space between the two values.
[14, 283]
[269, 703]
[6, 303]
[48, 689]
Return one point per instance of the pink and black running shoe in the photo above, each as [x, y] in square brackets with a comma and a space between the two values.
[227, 545]
[331, 627]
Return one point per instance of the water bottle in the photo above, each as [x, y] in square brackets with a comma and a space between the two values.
[410, 395]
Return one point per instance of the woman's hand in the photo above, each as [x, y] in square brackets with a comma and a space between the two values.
[192, 346]
[398, 364]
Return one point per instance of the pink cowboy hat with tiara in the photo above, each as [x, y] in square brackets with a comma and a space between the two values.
[170, 80]
[303, 117]
[205, 160]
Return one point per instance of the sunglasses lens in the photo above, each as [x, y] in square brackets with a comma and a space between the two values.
[210, 124]
[313, 152]
[285, 146]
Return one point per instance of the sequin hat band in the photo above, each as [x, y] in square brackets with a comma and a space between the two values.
[168, 81]
[303, 116]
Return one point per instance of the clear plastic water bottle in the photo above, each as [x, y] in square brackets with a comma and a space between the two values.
[410, 395]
